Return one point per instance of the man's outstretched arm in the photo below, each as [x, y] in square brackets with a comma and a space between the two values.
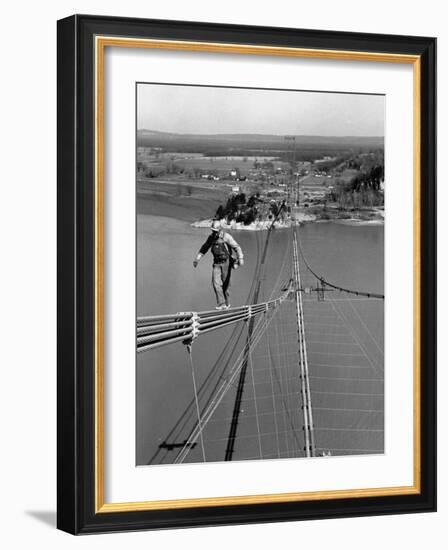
[203, 250]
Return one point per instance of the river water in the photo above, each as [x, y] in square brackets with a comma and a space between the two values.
[345, 343]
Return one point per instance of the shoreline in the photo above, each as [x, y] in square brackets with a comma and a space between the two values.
[195, 204]
[302, 218]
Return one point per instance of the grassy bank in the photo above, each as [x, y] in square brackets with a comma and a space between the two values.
[181, 201]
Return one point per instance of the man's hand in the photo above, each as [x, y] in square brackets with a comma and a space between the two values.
[195, 263]
[241, 263]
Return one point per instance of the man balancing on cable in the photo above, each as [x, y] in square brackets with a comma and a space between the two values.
[222, 246]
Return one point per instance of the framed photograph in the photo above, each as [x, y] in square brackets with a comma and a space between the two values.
[246, 274]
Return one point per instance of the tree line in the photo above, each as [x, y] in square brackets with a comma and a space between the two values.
[364, 189]
[245, 209]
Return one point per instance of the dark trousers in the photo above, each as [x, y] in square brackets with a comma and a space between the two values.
[221, 282]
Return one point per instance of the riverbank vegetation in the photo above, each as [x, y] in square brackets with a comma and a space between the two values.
[246, 210]
[365, 189]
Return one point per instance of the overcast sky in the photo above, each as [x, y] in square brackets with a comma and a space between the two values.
[204, 110]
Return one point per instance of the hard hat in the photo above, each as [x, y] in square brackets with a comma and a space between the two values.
[216, 225]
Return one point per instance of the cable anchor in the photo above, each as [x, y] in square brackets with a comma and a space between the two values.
[194, 331]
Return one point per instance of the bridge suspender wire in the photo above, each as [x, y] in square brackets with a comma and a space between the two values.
[324, 282]
[355, 311]
[268, 342]
[281, 381]
[257, 418]
[242, 378]
[353, 334]
[207, 413]
[193, 377]
[259, 276]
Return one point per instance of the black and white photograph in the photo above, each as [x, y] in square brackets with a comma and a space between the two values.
[260, 274]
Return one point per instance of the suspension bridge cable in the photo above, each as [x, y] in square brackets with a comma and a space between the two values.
[193, 377]
[268, 342]
[301, 326]
[228, 349]
[230, 345]
[336, 287]
[185, 327]
[352, 333]
[257, 420]
[216, 399]
[305, 407]
[242, 377]
[367, 329]
[257, 333]
[188, 412]
[153, 334]
[279, 284]
[282, 367]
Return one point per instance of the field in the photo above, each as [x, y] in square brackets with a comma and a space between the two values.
[327, 169]
[307, 147]
[221, 166]
[176, 199]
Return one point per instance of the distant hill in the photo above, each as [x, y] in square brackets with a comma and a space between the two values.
[306, 147]
[255, 143]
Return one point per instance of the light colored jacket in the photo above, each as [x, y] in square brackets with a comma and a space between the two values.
[228, 239]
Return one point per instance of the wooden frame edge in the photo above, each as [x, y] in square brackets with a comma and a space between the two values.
[100, 43]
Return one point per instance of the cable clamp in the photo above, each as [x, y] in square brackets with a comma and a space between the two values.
[194, 330]
[194, 325]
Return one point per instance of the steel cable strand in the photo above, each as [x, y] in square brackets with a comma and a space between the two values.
[285, 257]
[243, 357]
[242, 376]
[275, 305]
[206, 324]
[186, 415]
[305, 354]
[269, 350]
[255, 404]
[230, 345]
[208, 412]
[352, 333]
[331, 285]
[367, 329]
[240, 329]
[276, 288]
[282, 367]
[257, 333]
[279, 378]
[183, 316]
[301, 359]
[305, 358]
[193, 377]
[187, 316]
